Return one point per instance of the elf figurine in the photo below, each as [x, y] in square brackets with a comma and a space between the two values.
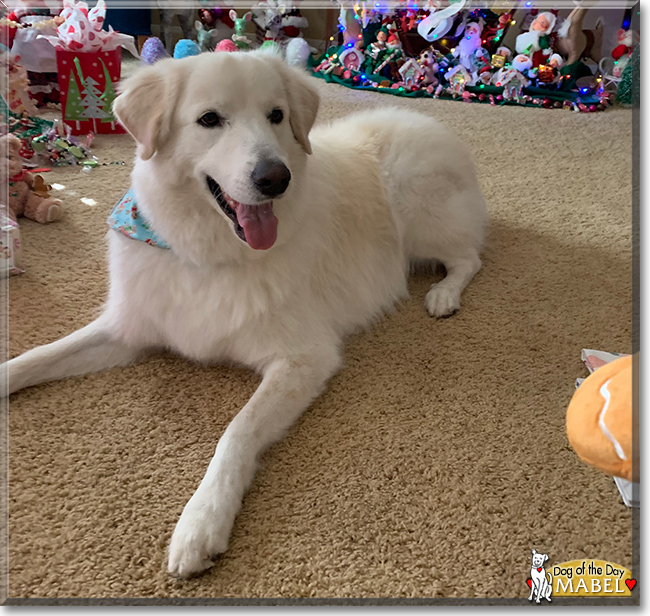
[380, 45]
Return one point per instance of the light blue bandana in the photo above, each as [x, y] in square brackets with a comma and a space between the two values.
[127, 219]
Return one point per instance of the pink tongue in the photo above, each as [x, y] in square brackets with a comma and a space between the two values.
[259, 223]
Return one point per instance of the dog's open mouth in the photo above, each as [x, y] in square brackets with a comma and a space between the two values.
[256, 225]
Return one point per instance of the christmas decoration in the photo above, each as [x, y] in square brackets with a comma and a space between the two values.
[627, 41]
[13, 81]
[204, 36]
[153, 50]
[185, 48]
[537, 41]
[277, 21]
[226, 45]
[297, 52]
[386, 47]
[576, 43]
[629, 89]
[240, 39]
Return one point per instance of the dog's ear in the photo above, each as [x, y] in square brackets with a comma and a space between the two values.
[545, 557]
[303, 103]
[534, 552]
[144, 102]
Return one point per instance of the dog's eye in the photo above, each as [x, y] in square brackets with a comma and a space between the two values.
[210, 120]
[276, 116]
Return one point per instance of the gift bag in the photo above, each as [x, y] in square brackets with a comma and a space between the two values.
[87, 82]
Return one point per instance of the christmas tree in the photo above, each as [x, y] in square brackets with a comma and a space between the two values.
[73, 105]
[629, 88]
[92, 101]
[108, 96]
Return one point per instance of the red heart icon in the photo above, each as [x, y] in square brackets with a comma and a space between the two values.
[630, 584]
[529, 582]
[539, 568]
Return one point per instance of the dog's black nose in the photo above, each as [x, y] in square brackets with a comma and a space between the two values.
[271, 177]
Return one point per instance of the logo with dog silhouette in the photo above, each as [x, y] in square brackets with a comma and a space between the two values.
[540, 581]
[577, 578]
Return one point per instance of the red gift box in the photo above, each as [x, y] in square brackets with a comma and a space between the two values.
[87, 83]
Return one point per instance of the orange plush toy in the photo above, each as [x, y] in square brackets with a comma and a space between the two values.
[599, 419]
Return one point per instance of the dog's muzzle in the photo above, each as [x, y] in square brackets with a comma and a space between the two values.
[256, 224]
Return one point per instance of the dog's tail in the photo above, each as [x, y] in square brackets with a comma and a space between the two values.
[550, 579]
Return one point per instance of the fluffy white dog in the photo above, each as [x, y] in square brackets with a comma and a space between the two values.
[280, 241]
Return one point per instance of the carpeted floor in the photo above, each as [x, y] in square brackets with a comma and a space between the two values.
[436, 459]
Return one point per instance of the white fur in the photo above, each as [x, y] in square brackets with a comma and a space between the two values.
[381, 189]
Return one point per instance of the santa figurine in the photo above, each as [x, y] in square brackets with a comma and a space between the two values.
[627, 41]
[536, 43]
[524, 64]
[469, 45]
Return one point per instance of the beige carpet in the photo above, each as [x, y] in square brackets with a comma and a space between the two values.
[436, 459]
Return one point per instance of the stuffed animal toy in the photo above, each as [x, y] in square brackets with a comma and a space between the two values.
[576, 43]
[599, 419]
[28, 196]
[429, 63]
[627, 41]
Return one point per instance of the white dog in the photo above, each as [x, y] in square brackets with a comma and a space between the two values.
[539, 582]
[279, 242]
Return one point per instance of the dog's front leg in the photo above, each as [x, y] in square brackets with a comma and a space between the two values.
[89, 349]
[288, 387]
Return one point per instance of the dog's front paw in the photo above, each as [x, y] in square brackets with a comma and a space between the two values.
[200, 535]
[441, 301]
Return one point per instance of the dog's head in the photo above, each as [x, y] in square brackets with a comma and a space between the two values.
[236, 124]
[539, 559]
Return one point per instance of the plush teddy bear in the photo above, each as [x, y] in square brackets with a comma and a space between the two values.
[28, 195]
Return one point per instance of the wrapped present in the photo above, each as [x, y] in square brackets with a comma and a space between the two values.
[11, 254]
[88, 61]
[87, 89]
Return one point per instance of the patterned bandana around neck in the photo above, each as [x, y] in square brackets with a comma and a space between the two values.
[129, 221]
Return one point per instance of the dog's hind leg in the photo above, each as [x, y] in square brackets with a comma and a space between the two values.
[288, 387]
[443, 299]
[89, 349]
